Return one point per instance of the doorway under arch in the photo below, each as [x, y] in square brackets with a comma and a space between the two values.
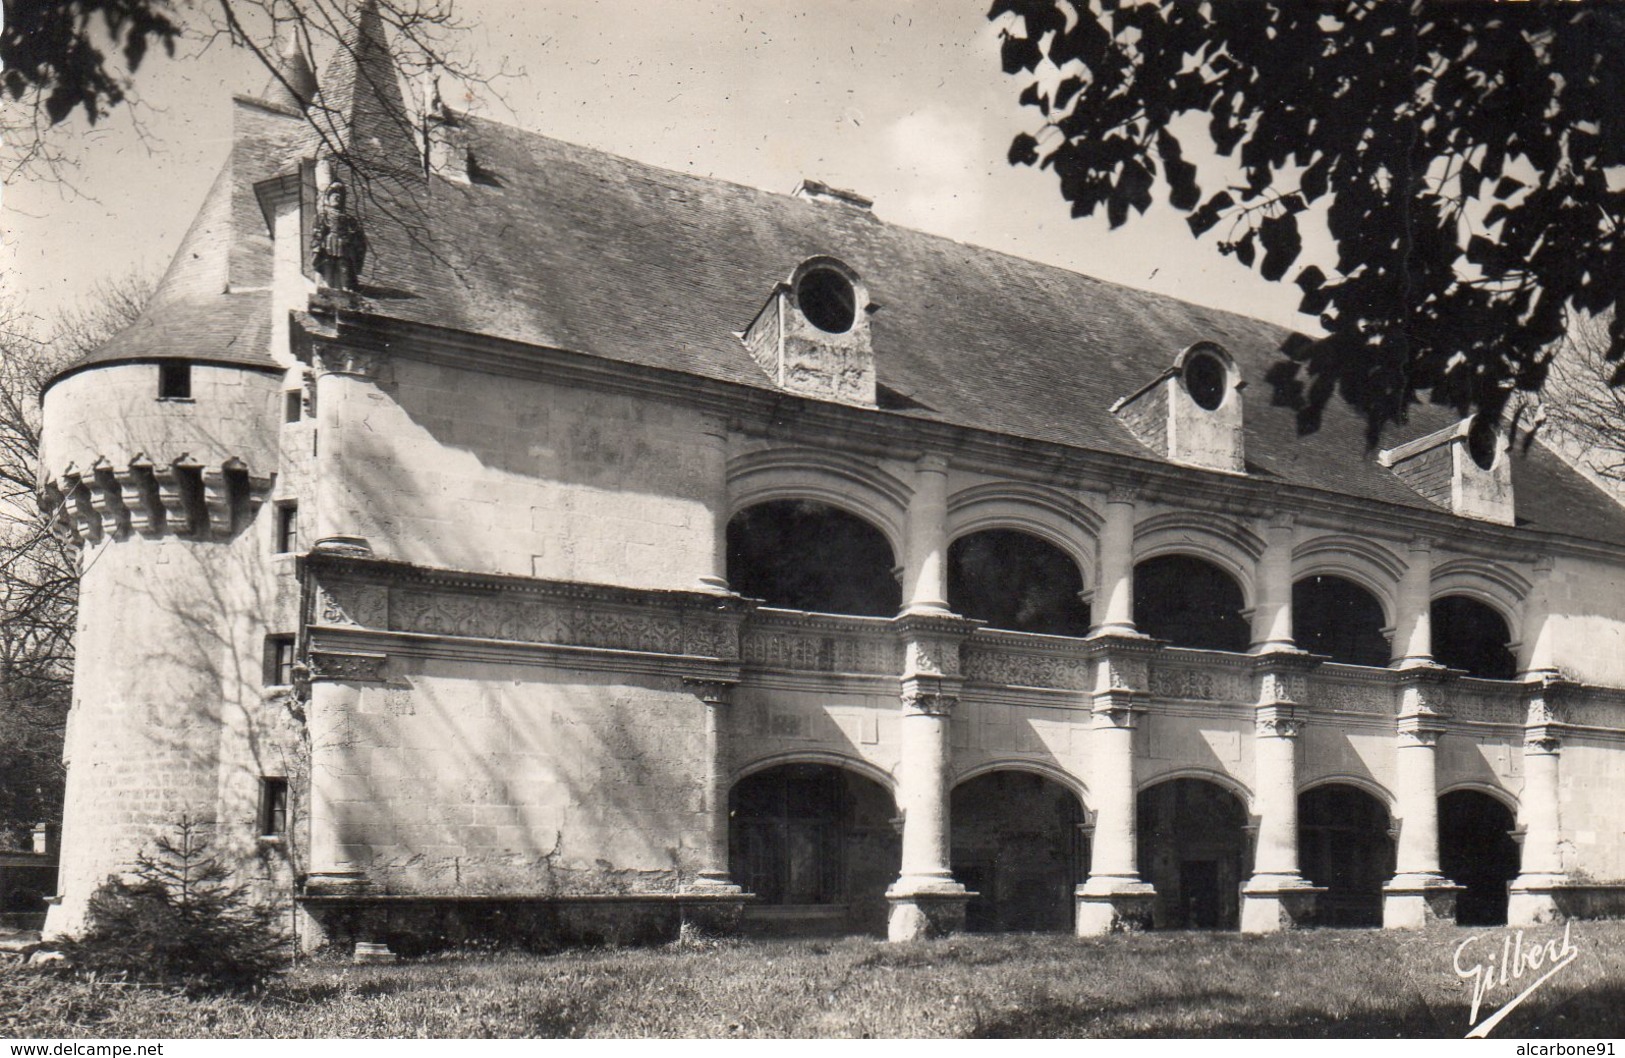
[1344, 844]
[1477, 850]
[1017, 843]
[817, 845]
[1194, 849]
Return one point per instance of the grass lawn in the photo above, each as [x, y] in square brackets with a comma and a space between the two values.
[1325, 983]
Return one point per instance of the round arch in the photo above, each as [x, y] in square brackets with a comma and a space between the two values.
[1359, 782]
[807, 555]
[1474, 635]
[816, 843]
[1191, 602]
[1489, 789]
[1228, 782]
[1478, 852]
[856, 765]
[1055, 774]
[1502, 590]
[860, 489]
[1371, 566]
[1049, 514]
[1015, 580]
[1193, 847]
[1346, 845]
[1335, 616]
[1226, 543]
[1017, 842]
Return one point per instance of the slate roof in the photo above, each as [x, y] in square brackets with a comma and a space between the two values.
[577, 249]
[568, 247]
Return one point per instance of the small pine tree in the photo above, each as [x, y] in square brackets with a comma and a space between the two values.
[181, 919]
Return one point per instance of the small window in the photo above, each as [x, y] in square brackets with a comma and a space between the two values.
[293, 406]
[828, 300]
[175, 380]
[273, 807]
[279, 661]
[1204, 379]
[287, 527]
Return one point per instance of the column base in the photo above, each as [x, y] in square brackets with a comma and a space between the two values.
[1271, 903]
[1113, 905]
[716, 910]
[341, 881]
[1532, 899]
[1416, 901]
[922, 912]
[367, 951]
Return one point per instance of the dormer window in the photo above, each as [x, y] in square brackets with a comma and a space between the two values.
[1191, 413]
[1460, 468]
[812, 335]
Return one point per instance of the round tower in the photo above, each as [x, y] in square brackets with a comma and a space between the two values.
[158, 470]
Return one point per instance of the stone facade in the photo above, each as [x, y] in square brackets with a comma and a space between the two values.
[463, 597]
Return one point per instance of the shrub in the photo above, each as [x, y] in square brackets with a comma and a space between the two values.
[180, 919]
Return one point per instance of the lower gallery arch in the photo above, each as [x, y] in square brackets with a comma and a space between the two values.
[1344, 844]
[1018, 842]
[1477, 850]
[817, 845]
[1194, 849]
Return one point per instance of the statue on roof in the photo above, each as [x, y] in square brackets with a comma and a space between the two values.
[338, 247]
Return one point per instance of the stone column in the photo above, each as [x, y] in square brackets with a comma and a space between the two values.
[925, 567]
[1114, 898]
[1535, 892]
[712, 873]
[1418, 895]
[1413, 624]
[1535, 637]
[1272, 617]
[344, 377]
[338, 854]
[1277, 896]
[925, 900]
[1115, 579]
[713, 446]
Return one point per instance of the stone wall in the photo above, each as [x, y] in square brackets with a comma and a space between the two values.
[459, 469]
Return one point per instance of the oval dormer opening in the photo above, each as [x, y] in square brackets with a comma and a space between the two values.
[1205, 380]
[827, 299]
[1481, 442]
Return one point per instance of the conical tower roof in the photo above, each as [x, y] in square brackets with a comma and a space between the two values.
[359, 107]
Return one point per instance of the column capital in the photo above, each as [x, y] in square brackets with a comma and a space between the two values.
[709, 690]
[1117, 709]
[1275, 721]
[1420, 543]
[331, 358]
[932, 463]
[920, 701]
[1126, 494]
[1283, 520]
[1414, 736]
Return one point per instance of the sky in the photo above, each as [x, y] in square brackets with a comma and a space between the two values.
[903, 102]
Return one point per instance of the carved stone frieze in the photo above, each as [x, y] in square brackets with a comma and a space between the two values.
[997, 664]
[1483, 708]
[1197, 684]
[353, 603]
[812, 651]
[356, 666]
[1376, 699]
